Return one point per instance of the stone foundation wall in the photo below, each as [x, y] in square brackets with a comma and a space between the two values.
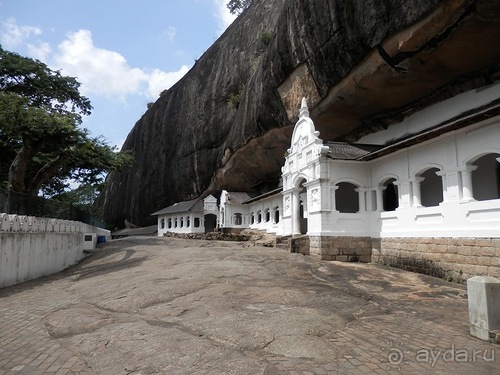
[209, 236]
[300, 245]
[343, 249]
[232, 230]
[454, 259]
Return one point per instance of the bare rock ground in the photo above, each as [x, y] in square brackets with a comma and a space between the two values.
[171, 306]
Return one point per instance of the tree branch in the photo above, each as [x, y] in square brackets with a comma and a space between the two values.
[45, 173]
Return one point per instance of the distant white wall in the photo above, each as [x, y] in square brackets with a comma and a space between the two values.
[233, 215]
[32, 247]
[270, 212]
[181, 222]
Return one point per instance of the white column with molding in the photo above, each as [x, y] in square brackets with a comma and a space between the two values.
[415, 183]
[466, 175]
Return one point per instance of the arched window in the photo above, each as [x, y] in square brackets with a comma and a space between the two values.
[169, 222]
[276, 215]
[238, 219]
[347, 198]
[252, 218]
[259, 217]
[267, 215]
[182, 222]
[486, 178]
[188, 222]
[390, 195]
[163, 223]
[431, 188]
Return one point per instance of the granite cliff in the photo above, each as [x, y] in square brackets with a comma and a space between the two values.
[362, 64]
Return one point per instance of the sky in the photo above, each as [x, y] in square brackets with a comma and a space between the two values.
[124, 53]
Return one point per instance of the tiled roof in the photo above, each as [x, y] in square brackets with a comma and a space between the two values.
[346, 151]
[265, 195]
[238, 197]
[144, 231]
[195, 205]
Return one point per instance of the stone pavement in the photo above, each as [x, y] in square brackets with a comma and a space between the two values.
[169, 306]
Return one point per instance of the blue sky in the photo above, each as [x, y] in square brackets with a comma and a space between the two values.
[123, 52]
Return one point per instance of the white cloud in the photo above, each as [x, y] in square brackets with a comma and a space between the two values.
[13, 35]
[40, 51]
[106, 73]
[223, 15]
[100, 71]
[159, 80]
[170, 33]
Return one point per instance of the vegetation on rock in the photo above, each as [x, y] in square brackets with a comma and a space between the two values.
[238, 6]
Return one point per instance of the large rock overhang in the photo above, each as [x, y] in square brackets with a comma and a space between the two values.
[451, 50]
[454, 49]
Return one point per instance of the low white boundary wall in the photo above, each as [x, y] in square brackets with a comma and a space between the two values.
[32, 247]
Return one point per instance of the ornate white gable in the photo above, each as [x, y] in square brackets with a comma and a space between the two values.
[304, 132]
[210, 204]
[306, 147]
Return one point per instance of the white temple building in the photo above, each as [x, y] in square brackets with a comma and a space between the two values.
[423, 194]
[195, 216]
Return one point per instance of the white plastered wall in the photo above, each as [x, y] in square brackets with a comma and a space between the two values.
[450, 155]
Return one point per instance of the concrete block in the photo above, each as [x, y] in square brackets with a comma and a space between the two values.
[89, 241]
[484, 305]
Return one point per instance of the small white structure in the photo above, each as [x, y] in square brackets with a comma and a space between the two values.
[484, 305]
[239, 211]
[195, 216]
[233, 213]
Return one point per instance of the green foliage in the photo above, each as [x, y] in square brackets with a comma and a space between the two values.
[41, 143]
[234, 101]
[238, 6]
[83, 197]
[255, 63]
[263, 42]
[265, 39]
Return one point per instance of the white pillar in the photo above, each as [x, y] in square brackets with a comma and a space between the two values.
[362, 199]
[444, 185]
[380, 198]
[334, 197]
[296, 211]
[369, 203]
[466, 175]
[416, 191]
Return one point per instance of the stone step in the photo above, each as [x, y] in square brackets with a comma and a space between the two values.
[282, 246]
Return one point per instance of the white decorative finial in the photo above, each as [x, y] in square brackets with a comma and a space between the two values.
[304, 110]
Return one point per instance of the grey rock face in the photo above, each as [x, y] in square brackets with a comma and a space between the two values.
[228, 122]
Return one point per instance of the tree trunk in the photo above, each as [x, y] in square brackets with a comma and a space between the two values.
[45, 174]
[18, 168]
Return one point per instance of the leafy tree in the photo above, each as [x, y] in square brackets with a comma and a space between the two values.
[41, 143]
[238, 6]
[83, 198]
